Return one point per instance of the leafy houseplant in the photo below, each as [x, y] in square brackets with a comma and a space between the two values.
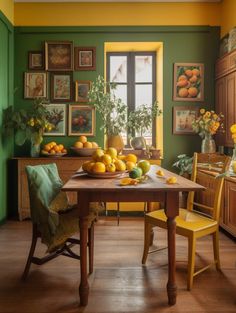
[113, 112]
[140, 120]
[28, 125]
[184, 164]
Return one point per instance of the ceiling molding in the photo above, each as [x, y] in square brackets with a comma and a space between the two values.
[163, 1]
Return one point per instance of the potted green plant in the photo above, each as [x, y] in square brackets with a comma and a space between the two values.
[28, 125]
[112, 111]
[184, 164]
[140, 121]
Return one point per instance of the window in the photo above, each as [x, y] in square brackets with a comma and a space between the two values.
[135, 76]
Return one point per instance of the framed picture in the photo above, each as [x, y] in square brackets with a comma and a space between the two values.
[57, 117]
[35, 60]
[182, 119]
[188, 82]
[35, 85]
[81, 120]
[81, 90]
[59, 56]
[61, 87]
[85, 58]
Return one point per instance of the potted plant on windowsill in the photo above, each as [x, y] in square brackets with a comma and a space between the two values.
[112, 111]
[28, 125]
[140, 121]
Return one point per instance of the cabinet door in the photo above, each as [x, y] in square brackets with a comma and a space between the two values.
[230, 90]
[220, 108]
[230, 208]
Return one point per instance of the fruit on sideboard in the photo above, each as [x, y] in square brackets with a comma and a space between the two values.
[53, 148]
[83, 142]
[171, 180]
[144, 165]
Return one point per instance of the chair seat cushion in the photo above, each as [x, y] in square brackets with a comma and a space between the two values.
[187, 219]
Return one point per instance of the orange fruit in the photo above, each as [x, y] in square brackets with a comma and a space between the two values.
[87, 144]
[182, 77]
[89, 166]
[53, 143]
[183, 92]
[196, 72]
[182, 83]
[131, 158]
[61, 147]
[56, 148]
[130, 165]
[193, 91]
[47, 147]
[64, 150]
[121, 157]
[189, 73]
[106, 159]
[99, 167]
[193, 79]
[52, 151]
[94, 144]
[83, 139]
[78, 144]
[85, 164]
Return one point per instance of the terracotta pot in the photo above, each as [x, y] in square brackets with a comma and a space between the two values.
[115, 142]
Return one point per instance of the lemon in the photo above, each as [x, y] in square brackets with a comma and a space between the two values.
[112, 152]
[106, 159]
[111, 168]
[171, 180]
[120, 165]
[97, 155]
[131, 158]
[85, 164]
[160, 173]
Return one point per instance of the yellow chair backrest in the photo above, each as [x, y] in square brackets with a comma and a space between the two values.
[205, 169]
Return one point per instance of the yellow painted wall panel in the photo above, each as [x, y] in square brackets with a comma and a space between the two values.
[7, 8]
[228, 16]
[99, 14]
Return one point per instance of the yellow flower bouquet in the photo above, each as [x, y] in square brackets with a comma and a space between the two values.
[208, 123]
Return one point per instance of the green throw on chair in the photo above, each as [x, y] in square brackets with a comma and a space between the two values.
[52, 217]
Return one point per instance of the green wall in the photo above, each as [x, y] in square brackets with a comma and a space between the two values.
[6, 99]
[181, 44]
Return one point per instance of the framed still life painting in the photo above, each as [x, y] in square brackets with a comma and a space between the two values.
[81, 120]
[35, 60]
[188, 82]
[183, 116]
[59, 56]
[57, 117]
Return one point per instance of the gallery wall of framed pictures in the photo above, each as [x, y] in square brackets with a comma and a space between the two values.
[50, 76]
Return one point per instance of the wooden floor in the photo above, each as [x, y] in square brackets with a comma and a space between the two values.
[119, 284]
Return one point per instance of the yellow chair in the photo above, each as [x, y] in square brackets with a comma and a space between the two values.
[191, 223]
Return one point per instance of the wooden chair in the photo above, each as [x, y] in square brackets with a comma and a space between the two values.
[191, 223]
[52, 218]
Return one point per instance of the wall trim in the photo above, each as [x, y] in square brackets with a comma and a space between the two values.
[7, 23]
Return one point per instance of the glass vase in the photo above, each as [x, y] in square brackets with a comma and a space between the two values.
[208, 144]
[34, 150]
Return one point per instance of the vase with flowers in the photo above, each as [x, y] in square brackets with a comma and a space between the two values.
[206, 125]
[28, 124]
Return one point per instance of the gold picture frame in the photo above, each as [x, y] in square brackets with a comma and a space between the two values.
[82, 88]
[81, 120]
[59, 56]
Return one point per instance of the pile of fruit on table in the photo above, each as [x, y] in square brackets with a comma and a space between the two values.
[52, 148]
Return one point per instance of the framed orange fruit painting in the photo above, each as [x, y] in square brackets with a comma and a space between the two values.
[188, 82]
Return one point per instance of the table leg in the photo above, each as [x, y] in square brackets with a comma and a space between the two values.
[171, 210]
[83, 224]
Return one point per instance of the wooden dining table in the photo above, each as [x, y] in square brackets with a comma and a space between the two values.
[153, 189]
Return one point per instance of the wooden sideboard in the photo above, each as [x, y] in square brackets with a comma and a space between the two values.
[66, 167]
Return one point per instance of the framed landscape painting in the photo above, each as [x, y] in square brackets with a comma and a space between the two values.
[59, 56]
[85, 58]
[57, 117]
[183, 117]
[188, 82]
[35, 85]
[61, 87]
[81, 120]
[82, 88]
